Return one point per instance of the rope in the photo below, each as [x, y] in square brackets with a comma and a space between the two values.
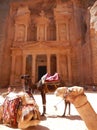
[82, 105]
[55, 106]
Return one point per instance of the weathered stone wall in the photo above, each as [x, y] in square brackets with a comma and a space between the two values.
[93, 40]
[5, 42]
[81, 52]
[4, 10]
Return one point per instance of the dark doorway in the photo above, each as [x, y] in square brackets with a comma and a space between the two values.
[42, 70]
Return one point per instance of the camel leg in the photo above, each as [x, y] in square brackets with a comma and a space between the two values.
[22, 124]
[43, 95]
[65, 108]
[69, 107]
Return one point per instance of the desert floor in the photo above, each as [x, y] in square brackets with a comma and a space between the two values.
[53, 119]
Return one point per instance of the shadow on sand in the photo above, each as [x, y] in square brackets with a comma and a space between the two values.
[74, 117]
[39, 127]
[71, 117]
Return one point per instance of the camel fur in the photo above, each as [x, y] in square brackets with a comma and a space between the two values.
[78, 98]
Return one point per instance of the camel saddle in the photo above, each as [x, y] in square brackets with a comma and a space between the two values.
[10, 108]
[53, 78]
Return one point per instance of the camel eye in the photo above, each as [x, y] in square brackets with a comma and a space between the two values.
[69, 90]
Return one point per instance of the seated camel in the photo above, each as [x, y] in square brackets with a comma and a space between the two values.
[20, 109]
[77, 97]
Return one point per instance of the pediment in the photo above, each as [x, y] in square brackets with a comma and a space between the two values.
[39, 46]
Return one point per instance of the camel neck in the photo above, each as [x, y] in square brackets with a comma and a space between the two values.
[80, 101]
[86, 111]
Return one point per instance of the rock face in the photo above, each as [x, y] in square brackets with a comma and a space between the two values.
[33, 33]
[93, 38]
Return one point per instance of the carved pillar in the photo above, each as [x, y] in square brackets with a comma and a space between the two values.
[58, 67]
[24, 64]
[15, 37]
[69, 69]
[57, 36]
[45, 32]
[37, 32]
[68, 32]
[12, 71]
[26, 28]
[33, 68]
[48, 63]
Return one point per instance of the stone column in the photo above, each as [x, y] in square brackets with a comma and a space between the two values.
[46, 32]
[12, 71]
[33, 68]
[57, 34]
[24, 64]
[58, 62]
[68, 35]
[37, 32]
[26, 28]
[15, 37]
[48, 63]
[69, 69]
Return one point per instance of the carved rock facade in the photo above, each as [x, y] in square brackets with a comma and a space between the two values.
[49, 36]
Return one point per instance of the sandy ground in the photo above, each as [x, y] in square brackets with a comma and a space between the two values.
[53, 119]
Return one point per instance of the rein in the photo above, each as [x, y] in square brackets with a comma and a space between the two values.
[56, 103]
[86, 102]
[82, 105]
[55, 106]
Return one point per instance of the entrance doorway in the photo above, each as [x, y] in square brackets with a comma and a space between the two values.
[42, 70]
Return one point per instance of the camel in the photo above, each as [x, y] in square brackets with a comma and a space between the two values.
[26, 112]
[60, 92]
[44, 88]
[77, 97]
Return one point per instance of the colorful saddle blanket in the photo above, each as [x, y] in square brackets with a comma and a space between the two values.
[10, 110]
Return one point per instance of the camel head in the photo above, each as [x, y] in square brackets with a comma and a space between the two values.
[69, 93]
[61, 91]
[73, 92]
[28, 114]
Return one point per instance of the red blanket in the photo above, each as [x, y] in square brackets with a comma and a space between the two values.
[55, 77]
